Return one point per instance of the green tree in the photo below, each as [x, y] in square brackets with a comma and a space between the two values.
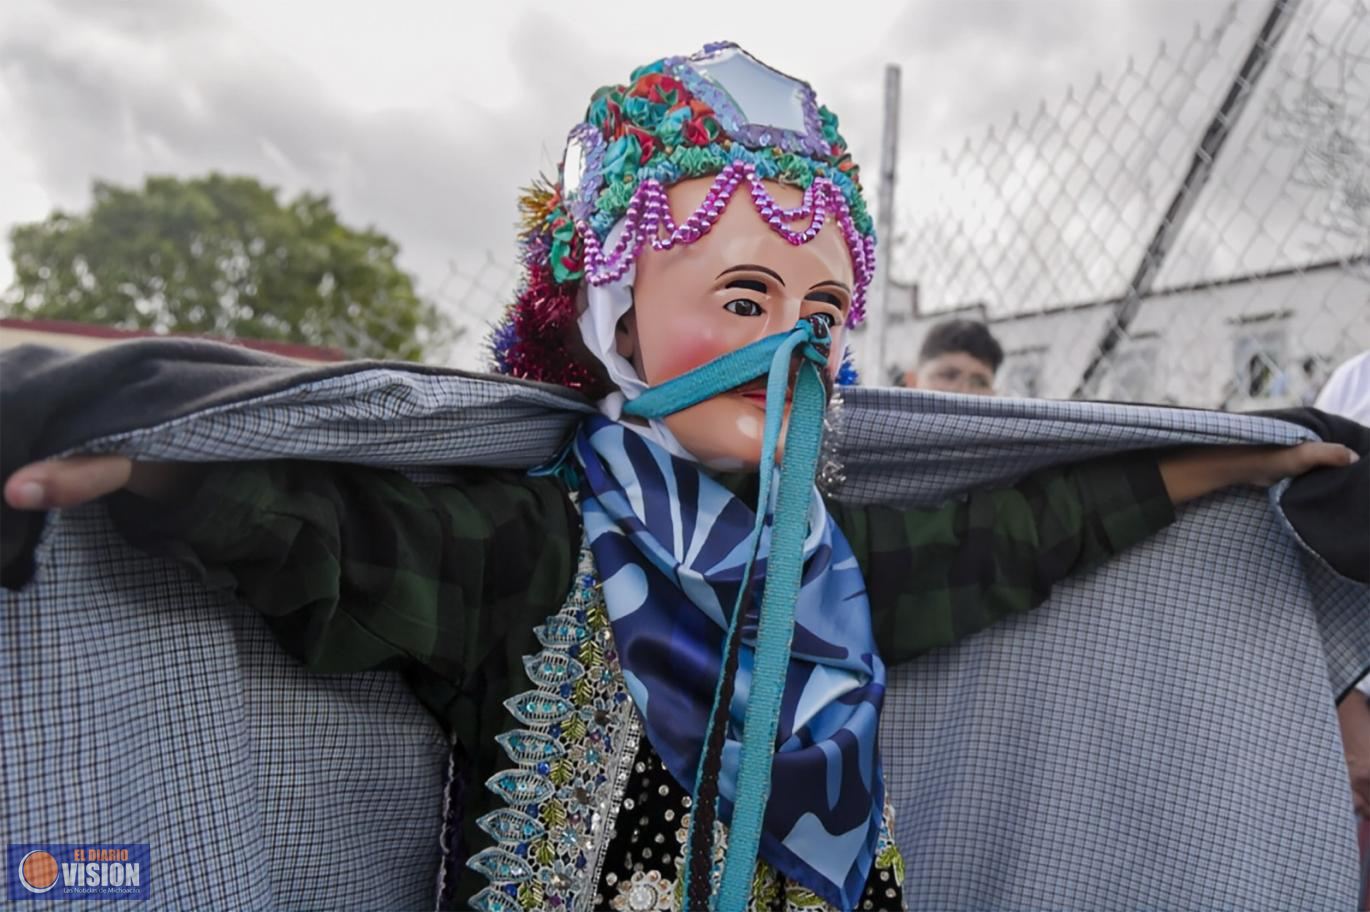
[222, 256]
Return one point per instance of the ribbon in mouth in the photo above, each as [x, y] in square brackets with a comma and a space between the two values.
[794, 368]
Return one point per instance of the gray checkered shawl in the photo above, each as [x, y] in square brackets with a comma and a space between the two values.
[1161, 734]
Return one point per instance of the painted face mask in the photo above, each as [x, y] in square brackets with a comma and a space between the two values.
[716, 183]
[721, 115]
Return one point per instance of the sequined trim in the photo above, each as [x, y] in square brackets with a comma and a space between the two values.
[645, 891]
[450, 836]
[771, 891]
[889, 864]
[573, 752]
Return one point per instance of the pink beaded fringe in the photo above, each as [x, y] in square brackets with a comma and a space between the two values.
[648, 219]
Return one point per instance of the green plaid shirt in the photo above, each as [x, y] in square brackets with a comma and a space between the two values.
[357, 568]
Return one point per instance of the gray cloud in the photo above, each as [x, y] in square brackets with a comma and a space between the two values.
[163, 86]
[119, 90]
[143, 17]
[972, 64]
[436, 180]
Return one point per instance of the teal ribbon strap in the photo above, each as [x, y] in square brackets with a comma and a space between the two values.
[708, 380]
[772, 356]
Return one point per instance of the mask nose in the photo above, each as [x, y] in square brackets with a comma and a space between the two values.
[822, 334]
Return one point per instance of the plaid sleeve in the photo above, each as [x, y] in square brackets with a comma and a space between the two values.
[358, 568]
[937, 576]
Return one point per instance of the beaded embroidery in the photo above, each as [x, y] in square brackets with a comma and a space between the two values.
[648, 221]
[573, 754]
[771, 891]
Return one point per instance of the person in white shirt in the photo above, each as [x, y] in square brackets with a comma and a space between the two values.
[1347, 393]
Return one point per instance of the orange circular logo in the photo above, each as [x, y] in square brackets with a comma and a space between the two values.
[38, 872]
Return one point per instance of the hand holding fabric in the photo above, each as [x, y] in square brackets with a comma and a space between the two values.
[62, 483]
[1195, 472]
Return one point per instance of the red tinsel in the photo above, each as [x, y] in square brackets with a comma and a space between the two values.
[544, 319]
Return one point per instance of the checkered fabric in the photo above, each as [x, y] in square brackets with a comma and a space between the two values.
[917, 448]
[1160, 735]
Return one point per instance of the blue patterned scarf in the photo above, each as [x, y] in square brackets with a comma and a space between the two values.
[670, 544]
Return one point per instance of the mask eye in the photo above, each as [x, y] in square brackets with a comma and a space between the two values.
[744, 307]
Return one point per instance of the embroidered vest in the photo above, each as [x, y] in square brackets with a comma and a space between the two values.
[591, 819]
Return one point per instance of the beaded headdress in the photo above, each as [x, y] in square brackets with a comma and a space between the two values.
[718, 112]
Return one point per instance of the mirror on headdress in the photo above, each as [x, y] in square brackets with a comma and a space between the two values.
[763, 96]
[575, 177]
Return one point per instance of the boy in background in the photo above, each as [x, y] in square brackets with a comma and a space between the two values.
[958, 356]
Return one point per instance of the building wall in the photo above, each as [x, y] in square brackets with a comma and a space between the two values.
[1256, 343]
[1297, 327]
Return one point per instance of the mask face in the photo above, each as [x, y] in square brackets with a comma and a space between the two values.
[735, 285]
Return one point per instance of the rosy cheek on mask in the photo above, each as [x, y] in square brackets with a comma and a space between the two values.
[683, 353]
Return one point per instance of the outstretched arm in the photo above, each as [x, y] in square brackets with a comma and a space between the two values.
[1193, 473]
[353, 567]
[937, 576]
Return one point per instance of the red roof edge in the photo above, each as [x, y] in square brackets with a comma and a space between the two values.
[96, 331]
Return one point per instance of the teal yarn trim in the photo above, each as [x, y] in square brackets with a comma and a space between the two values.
[770, 356]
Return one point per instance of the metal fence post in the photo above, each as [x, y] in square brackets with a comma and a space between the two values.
[878, 295]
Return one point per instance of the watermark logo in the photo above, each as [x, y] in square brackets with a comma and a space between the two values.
[42, 871]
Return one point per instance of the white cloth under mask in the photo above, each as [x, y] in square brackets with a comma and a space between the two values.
[605, 306]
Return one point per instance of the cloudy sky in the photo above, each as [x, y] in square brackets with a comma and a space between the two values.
[423, 117]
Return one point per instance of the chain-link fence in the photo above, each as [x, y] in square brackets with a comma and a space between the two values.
[1194, 231]
[472, 295]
